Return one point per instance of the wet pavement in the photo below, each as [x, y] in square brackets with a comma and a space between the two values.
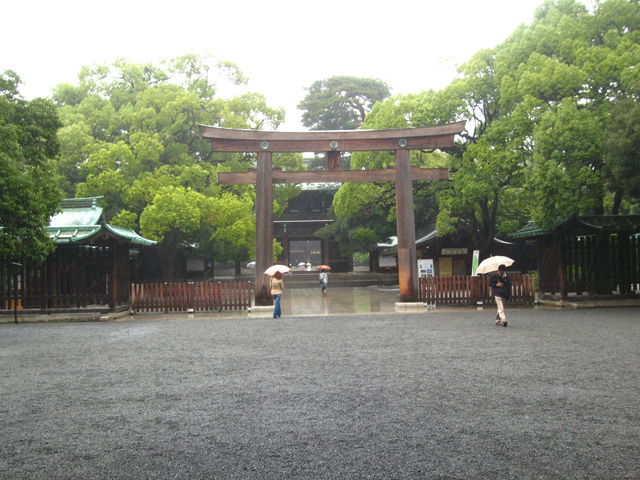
[338, 301]
[305, 302]
[378, 395]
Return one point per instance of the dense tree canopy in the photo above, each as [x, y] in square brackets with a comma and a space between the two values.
[29, 194]
[552, 113]
[341, 102]
[131, 135]
[552, 122]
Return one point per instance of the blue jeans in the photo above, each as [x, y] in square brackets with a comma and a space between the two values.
[276, 306]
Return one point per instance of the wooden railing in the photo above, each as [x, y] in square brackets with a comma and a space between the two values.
[197, 297]
[468, 290]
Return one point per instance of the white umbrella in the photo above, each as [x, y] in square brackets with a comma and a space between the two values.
[491, 264]
[276, 268]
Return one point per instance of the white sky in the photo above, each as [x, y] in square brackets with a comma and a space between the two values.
[283, 46]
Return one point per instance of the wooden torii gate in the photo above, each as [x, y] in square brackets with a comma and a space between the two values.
[401, 141]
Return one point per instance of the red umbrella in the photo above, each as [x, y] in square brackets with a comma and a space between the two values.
[323, 267]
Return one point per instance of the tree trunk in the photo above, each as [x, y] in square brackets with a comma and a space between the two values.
[617, 201]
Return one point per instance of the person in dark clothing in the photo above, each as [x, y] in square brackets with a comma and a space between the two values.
[501, 285]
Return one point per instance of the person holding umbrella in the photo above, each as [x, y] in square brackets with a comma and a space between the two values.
[277, 287]
[501, 285]
[324, 280]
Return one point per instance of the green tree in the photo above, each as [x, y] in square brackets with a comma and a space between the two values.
[341, 102]
[547, 113]
[373, 205]
[621, 147]
[29, 194]
[131, 135]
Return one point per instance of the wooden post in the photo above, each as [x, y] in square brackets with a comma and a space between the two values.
[264, 227]
[285, 251]
[325, 251]
[562, 268]
[333, 160]
[407, 259]
[113, 277]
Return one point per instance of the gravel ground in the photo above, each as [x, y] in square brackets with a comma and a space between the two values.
[556, 395]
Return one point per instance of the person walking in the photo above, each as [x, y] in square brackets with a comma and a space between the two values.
[501, 285]
[277, 287]
[324, 280]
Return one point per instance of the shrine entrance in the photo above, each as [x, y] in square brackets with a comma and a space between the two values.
[401, 141]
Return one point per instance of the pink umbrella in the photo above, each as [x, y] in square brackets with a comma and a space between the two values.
[276, 268]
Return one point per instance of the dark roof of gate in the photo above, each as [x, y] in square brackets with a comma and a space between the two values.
[582, 225]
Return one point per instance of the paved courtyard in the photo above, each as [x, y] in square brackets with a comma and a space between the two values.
[440, 394]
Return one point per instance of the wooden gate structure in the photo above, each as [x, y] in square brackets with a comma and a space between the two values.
[468, 290]
[401, 141]
[89, 267]
[192, 296]
[588, 254]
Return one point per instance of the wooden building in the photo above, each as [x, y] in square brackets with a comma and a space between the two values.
[295, 230]
[89, 268]
[452, 255]
[590, 254]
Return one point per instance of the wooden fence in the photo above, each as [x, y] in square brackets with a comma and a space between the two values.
[197, 297]
[468, 290]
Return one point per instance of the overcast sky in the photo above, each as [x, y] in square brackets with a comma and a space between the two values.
[282, 46]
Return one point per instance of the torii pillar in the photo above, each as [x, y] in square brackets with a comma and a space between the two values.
[406, 230]
[401, 141]
[264, 226]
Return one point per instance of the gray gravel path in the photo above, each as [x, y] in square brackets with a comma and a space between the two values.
[556, 395]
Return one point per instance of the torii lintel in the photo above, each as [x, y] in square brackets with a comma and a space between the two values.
[241, 141]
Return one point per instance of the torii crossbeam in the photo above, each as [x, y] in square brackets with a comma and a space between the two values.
[401, 141]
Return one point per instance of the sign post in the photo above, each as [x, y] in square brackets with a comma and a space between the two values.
[474, 263]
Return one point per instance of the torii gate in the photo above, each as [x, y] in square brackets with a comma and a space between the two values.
[401, 141]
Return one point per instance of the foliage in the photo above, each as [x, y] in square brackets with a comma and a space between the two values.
[373, 205]
[29, 194]
[552, 118]
[341, 102]
[131, 135]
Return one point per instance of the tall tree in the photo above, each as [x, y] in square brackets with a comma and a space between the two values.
[131, 135]
[29, 194]
[341, 102]
[551, 119]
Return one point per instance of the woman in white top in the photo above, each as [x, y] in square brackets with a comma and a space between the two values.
[324, 278]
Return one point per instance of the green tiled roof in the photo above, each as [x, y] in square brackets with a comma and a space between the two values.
[81, 219]
[79, 212]
[583, 225]
[130, 235]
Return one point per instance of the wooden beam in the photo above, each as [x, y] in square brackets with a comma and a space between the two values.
[328, 135]
[235, 140]
[442, 142]
[333, 176]
[333, 160]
